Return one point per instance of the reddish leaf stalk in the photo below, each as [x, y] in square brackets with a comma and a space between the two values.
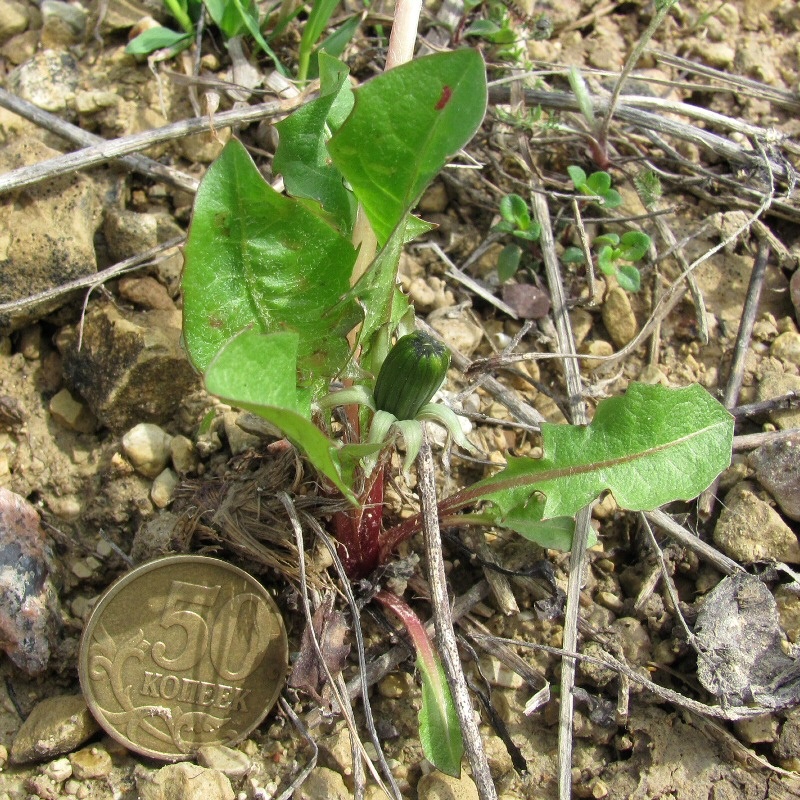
[358, 531]
[416, 630]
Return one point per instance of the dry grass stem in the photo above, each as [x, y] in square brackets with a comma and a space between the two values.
[113, 149]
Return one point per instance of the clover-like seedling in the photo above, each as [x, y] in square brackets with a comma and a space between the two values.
[631, 246]
[516, 220]
[598, 184]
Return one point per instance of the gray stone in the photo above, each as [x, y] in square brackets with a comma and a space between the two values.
[233, 763]
[130, 368]
[146, 446]
[48, 80]
[775, 384]
[55, 726]
[238, 439]
[13, 19]
[323, 784]
[64, 24]
[438, 786]
[182, 781]
[156, 537]
[749, 529]
[47, 236]
[129, 234]
[123, 14]
[777, 467]
[618, 317]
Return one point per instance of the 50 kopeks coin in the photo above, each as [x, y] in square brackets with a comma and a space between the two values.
[183, 652]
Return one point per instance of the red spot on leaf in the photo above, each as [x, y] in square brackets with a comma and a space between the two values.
[447, 93]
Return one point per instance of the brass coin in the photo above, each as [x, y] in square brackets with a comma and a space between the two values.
[183, 652]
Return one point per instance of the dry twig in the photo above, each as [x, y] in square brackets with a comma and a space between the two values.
[108, 151]
[443, 622]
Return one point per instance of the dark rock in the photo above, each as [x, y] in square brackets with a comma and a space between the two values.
[130, 367]
[777, 466]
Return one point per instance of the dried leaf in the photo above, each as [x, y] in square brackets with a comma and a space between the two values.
[330, 629]
[530, 302]
[743, 660]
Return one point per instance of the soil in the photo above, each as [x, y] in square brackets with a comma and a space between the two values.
[65, 409]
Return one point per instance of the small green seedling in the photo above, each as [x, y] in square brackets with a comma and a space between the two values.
[598, 184]
[631, 246]
[516, 221]
[232, 17]
[186, 13]
[497, 29]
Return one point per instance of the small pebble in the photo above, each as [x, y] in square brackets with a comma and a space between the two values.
[56, 725]
[163, 487]
[59, 770]
[29, 613]
[610, 601]
[750, 530]
[71, 414]
[238, 439]
[146, 292]
[786, 348]
[323, 784]
[393, 686]
[757, 730]
[90, 762]
[461, 334]
[185, 781]
[438, 786]
[147, 448]
[71, 787]
[498, 674]
[618, 317]
[183, 454]
[595, 347]
[233, 763]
